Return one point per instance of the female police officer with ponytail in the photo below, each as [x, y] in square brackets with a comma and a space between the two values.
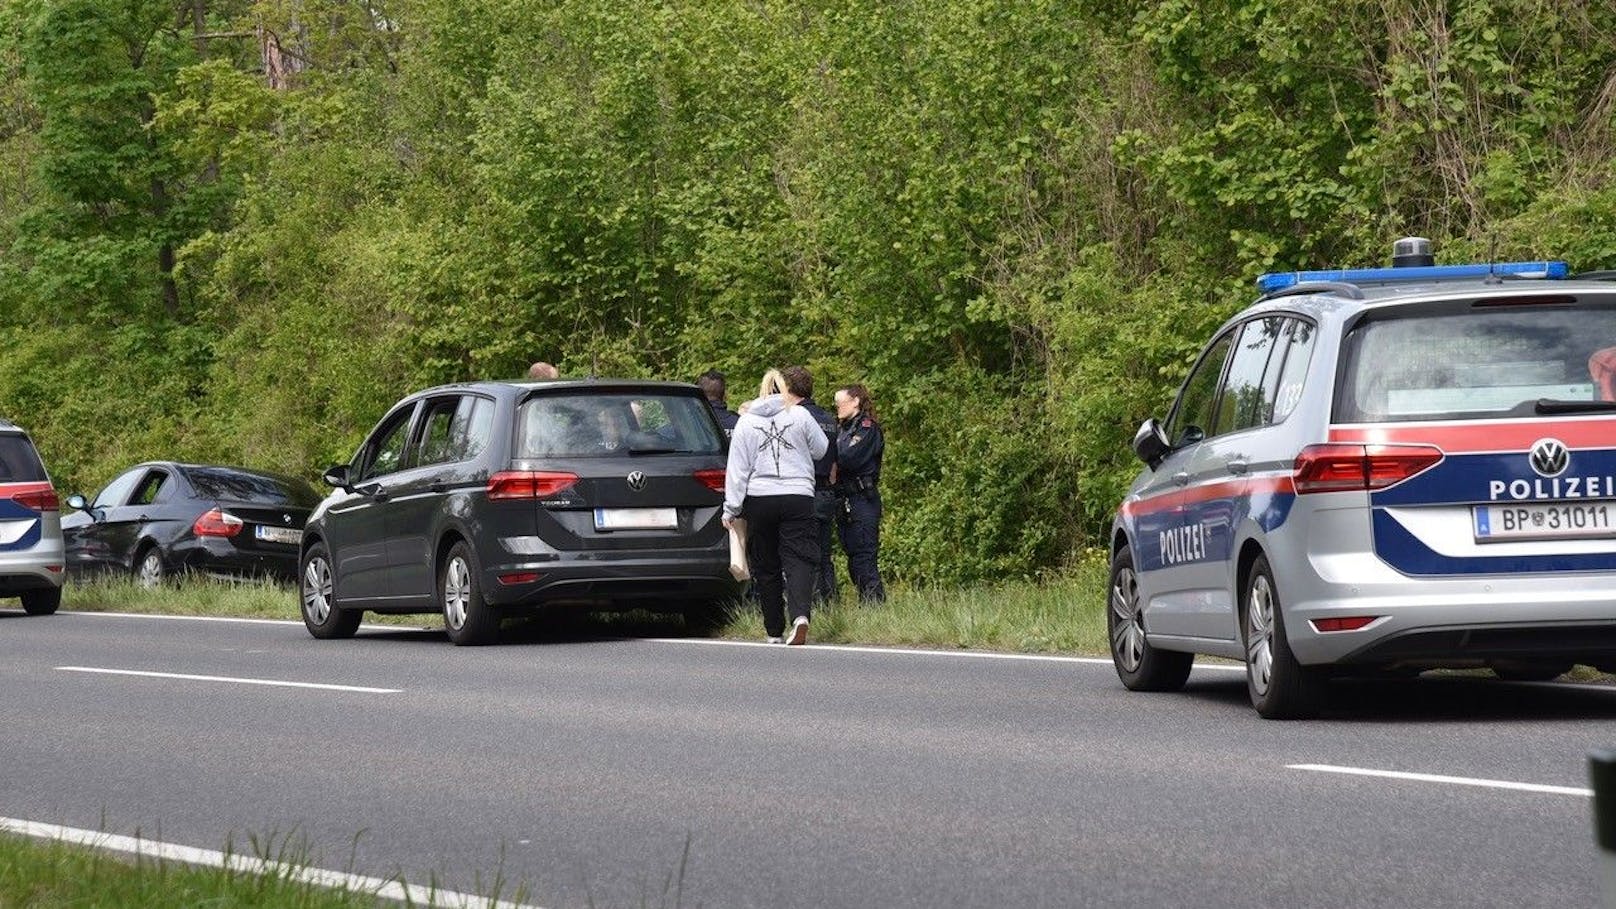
[859, 448]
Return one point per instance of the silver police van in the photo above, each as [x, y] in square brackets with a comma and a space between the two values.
[1380, 470]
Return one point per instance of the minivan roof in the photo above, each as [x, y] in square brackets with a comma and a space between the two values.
[602, 384]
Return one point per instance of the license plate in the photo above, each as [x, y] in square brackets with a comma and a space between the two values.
[1546, 521]
[636, 518]
[289, 535]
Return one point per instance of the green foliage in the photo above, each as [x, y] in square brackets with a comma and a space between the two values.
[1016, 222]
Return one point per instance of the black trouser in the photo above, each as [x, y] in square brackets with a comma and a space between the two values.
[860, 527]
[826, 507]
[782, 539]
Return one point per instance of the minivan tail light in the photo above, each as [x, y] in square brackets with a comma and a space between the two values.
[1339, 467]
[37, 498]
[217, 523]
[712, 478]
[529, 484]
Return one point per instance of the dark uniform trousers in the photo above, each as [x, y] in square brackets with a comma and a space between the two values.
[784, 550]
[860, 527]
[826, 508]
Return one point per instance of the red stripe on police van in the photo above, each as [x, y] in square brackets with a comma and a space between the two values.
[1280, 484]
[1478, 436]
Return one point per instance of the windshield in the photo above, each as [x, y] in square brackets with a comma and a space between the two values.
[1479, 363]
[19, 463]
[251, 488]
[592, 425]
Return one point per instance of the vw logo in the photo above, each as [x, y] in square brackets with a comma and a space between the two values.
[636, 480]
[1549, 457]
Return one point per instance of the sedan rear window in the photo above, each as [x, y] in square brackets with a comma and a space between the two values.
[1479, 363]
[19, 462]
[623, 424]
[251, 488]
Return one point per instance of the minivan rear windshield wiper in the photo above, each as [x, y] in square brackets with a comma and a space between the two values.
[650, 451]
[1557, 406]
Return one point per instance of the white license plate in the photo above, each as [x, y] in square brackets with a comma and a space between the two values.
[636, 518]
[288, 535]
[1545, 521]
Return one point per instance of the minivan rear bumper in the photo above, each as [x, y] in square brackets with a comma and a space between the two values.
[633, 578]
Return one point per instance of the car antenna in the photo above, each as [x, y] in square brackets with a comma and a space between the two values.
[1492, 259]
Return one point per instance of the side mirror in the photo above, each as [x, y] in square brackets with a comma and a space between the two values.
[1150, 443]
[337, 476]
[77, 501]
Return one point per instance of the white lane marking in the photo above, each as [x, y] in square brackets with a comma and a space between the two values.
[905, 651]
[182, 618]
[1450, 780]
[275, 683]
[384, 888]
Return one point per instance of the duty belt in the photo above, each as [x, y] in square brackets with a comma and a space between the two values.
[858, 484]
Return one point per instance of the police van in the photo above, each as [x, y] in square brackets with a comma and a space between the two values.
[1380, 470]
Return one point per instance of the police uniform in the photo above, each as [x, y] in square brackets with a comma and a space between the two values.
[826, 503]
[726, 418]
[859, 448]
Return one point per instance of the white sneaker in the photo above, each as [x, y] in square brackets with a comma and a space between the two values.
[776, 639]
[799, 631]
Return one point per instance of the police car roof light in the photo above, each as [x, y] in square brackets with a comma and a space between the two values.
[1280, 280]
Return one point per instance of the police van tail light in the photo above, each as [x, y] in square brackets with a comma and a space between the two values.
[1337, 467]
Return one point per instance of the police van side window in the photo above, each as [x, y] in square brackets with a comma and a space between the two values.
[1293, 375]
[1245, 402]
[1192, 415]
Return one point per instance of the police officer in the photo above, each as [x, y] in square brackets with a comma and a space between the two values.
[859, 448]
[712, 387]
[826, 502]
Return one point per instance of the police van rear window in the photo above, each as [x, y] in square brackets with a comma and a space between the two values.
[1479, 363]
[19, 462]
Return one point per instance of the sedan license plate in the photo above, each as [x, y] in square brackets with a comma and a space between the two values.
[636, 518]
[1545, 521]
[288, 535]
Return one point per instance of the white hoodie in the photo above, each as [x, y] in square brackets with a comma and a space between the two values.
[772, 453]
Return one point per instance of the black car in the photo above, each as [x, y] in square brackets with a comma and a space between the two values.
[160, 518]
[486, 498]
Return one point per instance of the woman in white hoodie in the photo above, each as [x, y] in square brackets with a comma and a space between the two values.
[770, 482]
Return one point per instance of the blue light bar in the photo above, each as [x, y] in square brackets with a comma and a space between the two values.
[1282, 279]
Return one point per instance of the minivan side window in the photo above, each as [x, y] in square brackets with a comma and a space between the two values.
[1245, 403]
[1192, 415]
[1293, 376]
[384, 453]
[437, 447]
[455, 429]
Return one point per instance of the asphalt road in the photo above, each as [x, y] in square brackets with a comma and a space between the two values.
[615, 773]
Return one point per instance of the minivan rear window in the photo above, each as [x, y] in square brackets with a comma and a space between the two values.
[251, 488]
[619, 424]
[19, 462]
[1477, 363]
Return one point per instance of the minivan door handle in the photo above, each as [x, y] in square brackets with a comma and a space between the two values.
[1238, 465]
[1181, 478]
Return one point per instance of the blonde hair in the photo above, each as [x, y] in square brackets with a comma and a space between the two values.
[773, 383]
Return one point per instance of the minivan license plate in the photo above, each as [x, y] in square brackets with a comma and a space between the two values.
[636, 518]
[1545, 521]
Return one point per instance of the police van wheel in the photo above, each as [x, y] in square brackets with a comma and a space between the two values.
[1140, 666]
[1280, 687]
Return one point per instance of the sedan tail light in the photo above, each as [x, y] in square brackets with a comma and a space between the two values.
[217, 523]
[1337, 467]
[529, 484]
[712, 478]
[37, 498]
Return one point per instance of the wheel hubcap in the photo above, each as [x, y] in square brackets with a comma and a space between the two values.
[1260, 634]
[317, 591]
[456, 592]
[151, 570]
[1127, 632]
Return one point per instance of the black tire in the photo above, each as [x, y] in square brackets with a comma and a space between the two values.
[468, 619]
[1280, 687]
[1528, 671]
[43, 601]
[149, 569]
[316, 599]
[1140, 666]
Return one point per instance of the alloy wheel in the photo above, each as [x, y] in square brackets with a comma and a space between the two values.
[1260, 633]
[151, 570]
[456, 592]
[1127, 633]
[317, 590]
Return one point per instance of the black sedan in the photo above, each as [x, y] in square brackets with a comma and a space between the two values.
[160, 518]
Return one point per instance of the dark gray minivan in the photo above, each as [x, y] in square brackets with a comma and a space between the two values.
[487, 498]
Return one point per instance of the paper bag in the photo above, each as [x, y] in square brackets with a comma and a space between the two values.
[737, 550]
